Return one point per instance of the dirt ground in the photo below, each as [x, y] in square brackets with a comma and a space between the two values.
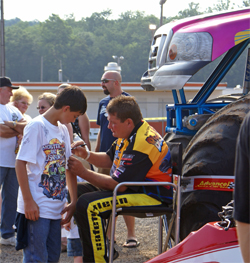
[146, 231]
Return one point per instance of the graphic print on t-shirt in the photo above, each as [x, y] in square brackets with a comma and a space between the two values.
[14, 117]
[103, 111]
[53, 179]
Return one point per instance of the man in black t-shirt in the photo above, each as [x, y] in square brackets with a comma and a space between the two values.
[242, 188]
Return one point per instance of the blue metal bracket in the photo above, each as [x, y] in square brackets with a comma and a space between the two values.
[176, 112]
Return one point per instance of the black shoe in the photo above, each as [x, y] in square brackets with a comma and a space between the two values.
[116, 254]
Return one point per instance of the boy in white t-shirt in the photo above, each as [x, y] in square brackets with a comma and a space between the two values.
[42, 173]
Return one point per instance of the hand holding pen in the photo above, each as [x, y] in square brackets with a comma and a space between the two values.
[80, 149]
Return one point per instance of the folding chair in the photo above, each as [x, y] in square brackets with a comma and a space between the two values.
[149, 211]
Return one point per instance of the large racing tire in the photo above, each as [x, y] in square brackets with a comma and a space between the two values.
[211, 152]
[212, 149]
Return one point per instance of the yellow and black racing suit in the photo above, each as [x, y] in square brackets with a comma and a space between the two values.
[144, 156]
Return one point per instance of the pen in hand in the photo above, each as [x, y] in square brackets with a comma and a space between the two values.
[82, 145]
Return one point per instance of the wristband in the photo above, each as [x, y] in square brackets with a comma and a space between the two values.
[88, 153]
[14, 123]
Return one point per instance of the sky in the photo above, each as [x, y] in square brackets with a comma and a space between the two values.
[29, 10]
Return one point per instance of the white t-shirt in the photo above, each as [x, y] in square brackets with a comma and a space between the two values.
[73, 233]
[8, 145]
[27, 117]
[45, 148]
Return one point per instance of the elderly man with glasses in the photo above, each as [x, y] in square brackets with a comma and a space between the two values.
[111, 84]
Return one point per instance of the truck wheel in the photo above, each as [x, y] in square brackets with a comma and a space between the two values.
[212, 149]
[200, 207]
[211, 152]
[185, 139]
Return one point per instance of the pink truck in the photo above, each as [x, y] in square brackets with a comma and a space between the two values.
[206, 128]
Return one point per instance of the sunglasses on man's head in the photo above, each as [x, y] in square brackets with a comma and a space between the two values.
[42, 108]
[106, 80]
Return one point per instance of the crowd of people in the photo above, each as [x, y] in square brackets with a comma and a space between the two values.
[38, 178]
[45, 184]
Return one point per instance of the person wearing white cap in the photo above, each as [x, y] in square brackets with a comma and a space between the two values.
[111, 84]
[12, 124]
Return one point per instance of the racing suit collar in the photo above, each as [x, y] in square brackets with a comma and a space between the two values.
[137, 126]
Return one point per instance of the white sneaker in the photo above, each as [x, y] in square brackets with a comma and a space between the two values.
[11, 241]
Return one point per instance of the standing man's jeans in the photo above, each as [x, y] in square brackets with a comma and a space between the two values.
[9, 191]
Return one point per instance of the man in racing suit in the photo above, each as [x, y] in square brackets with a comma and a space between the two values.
[139, 154]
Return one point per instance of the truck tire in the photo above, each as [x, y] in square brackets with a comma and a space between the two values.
[211, 151]
[185, 139]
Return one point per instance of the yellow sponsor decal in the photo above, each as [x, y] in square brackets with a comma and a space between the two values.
[241, 36]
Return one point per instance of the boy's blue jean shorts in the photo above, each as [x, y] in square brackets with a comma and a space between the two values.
[74, 247]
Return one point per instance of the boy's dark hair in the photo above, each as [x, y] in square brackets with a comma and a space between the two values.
[125, 107]
[72, 96]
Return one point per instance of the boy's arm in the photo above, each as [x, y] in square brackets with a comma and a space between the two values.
[70, 130]
[31, 209]
[71, 181]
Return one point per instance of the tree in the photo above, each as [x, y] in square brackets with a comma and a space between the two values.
[223, 5]
[246, 3]
[54, 41]
[21, 54]
[192, 11]
[84, 47]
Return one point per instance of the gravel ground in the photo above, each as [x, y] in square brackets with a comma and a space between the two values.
[146, 231]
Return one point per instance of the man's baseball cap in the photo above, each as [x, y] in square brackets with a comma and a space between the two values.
[5, 81]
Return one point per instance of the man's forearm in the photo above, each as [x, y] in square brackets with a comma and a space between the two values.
[83, 123]
[98, 142]
[17, 126]
[243, 231]
[99, 159]
[7, 132]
